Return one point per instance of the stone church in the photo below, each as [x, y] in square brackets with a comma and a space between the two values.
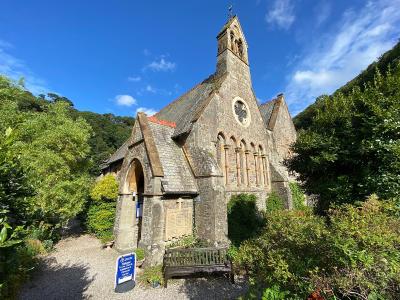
[180, 167]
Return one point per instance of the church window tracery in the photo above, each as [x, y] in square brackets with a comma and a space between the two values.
[241, 111]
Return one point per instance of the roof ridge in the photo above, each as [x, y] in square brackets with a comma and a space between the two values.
[154, 119]
[183, 95]
[269, 101]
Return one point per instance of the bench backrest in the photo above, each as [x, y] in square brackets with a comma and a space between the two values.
[196, 257]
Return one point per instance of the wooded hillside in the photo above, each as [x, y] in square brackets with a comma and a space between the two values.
[109, 131]
[389, 58]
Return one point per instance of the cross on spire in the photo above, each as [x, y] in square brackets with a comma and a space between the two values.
[230, 8]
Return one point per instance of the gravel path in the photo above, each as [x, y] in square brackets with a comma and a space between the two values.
[80, 269]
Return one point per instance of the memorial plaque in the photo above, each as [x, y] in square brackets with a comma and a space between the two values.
[178, 222]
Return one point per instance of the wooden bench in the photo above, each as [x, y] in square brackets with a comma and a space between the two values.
[196, 262]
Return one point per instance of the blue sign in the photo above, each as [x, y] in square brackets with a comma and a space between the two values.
[126, 265]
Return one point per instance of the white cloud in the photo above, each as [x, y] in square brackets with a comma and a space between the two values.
[15, 69]
[151, 89]
[147, 111]
[281, 14]
[134, 78]
[323, 11]
[161, 65]
[125, 100]
[358, 39]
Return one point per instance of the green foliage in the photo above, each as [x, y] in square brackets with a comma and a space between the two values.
[152, 275]
[355, 254]
[351, 147]
[274, 293]
[298, 196]
[43, 176]
[244, 219]
[110, 132]
[13, 182]
[190, 241]
[274, 202]
[140, 255]
[101, 213]
[100, 220]
[16, 260]
[389, 58]
[106, 189]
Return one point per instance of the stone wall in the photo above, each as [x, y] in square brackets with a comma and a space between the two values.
[284, 131]
[210, 211]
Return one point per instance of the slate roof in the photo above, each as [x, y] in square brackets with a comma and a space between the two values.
[177, 175]
[117, 155]
[180, 113]
[266, 110]
[186, 109]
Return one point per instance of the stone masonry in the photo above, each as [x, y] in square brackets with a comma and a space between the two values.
[180, 167]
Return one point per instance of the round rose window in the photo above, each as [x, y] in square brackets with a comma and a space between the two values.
[241, 111]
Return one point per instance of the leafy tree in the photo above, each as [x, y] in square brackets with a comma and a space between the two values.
[106, 189]
[110, 132]
[52, 150]
[14, 188]
[352, 254]
[351, 148]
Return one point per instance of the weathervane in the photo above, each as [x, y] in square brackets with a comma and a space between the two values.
[230, 8]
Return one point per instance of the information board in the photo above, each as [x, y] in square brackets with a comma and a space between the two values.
[125, 274]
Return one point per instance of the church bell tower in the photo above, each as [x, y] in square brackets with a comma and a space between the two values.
[232, 47]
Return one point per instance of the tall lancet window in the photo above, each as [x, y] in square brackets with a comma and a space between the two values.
[233, 162]
[253, 165]
[221, 156]
[261, 164]
[240, 48]
[244, 164]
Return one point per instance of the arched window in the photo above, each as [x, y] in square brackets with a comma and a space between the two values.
[261, 170]
[240, 48]
[244, 163]
[232, 38]
[253, 165]
[233, 162]
[221, 155]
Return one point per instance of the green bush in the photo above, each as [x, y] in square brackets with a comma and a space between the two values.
[100, 220]
[274, 202]
[17, 258]
[152, 275]
[355, 254]
[244, 219]
[298, 196]
[106, 189]
[190, 241]
[101, 212]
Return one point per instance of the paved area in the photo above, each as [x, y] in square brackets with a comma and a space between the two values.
[79, 269]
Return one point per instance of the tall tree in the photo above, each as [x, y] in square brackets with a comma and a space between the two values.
[351, 147]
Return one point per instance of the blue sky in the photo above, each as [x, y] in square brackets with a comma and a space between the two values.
[124, 56]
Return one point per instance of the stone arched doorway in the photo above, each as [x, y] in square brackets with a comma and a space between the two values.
[135, 186]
